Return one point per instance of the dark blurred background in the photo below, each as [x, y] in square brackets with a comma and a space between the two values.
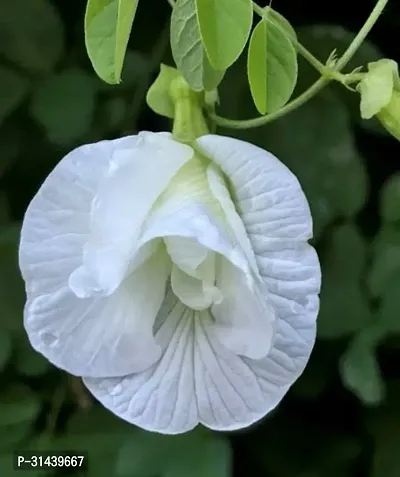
[342, 417]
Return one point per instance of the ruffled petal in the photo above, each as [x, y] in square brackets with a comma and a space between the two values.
[135, 180]
[57, 221]
[196, 224]
[277, 219]
[101, 336]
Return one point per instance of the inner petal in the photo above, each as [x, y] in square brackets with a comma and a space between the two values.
[193, 272]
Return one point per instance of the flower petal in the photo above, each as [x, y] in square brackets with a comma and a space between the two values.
[56, 223]
[244, 320]
[277, 219]
[196, 380]
[136, 178]
[195, 226]
[101, 336]
[220, 191]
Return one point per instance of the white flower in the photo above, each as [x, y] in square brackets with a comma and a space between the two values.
[179, 285]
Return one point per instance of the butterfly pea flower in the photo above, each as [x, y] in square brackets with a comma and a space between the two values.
[175, 278]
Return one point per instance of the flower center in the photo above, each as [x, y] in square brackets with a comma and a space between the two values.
[193, 275]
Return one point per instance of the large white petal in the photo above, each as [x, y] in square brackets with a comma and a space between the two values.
[277, 219]
[196, 380]
[135, 180]
[101, 336]
[56, 223]
[199, 380]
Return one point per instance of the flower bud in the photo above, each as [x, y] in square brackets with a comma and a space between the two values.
[389, 116]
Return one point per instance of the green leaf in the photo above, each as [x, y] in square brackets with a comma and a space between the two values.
[344, 308]
[225, 28]
[376, 88]
[187, 48]
[14, 87]
[17, 405]
[272, 65]
[280, 20]
[390, 199]
[108, 25]
[64, 105]
[198, 453]
[360, 370]
[31, 34]
[158, 97]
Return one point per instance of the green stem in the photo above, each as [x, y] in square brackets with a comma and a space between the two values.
[313, 89]
[171, 2]
[189, 122]
[362, 34]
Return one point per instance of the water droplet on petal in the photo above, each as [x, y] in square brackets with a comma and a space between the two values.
[49, 339]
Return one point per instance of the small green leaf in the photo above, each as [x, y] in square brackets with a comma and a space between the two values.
[158, 97]
[187, 48]
[108, 25]
[225, 28]
[31, 33]
[271, 66]
[64, 105]
[14, 89]
[360, 370]
[376, 88]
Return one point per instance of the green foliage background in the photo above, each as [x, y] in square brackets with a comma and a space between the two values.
[342, 417]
